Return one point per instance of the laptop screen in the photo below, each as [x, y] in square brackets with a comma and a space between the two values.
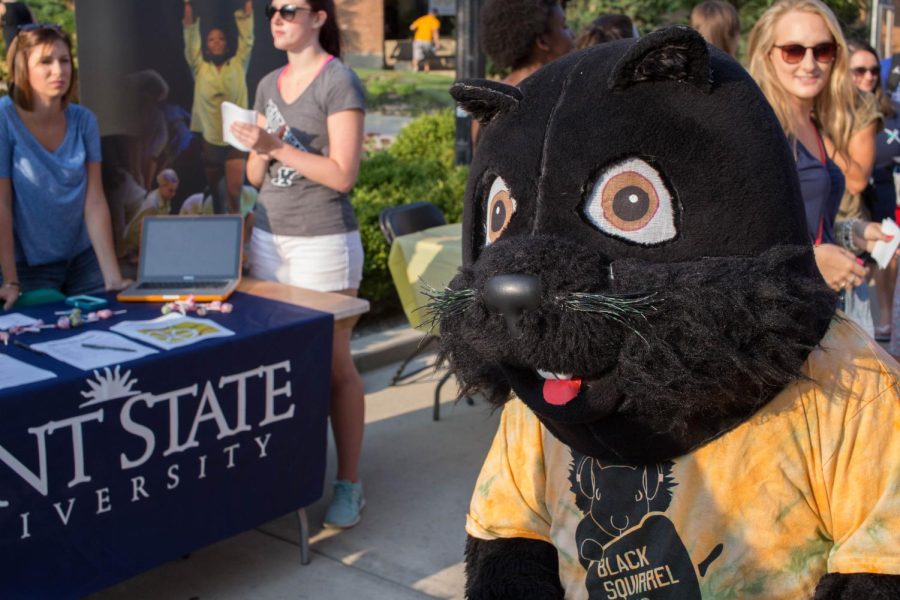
[191, 247]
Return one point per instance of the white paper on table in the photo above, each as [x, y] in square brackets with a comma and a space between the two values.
[15, 372]
[72, 350]
[14, 320]
[884, 251]
[232, 113]
[173, 330]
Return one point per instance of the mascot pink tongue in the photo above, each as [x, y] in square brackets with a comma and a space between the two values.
[561, 391]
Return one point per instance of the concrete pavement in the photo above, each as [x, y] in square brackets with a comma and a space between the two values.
[418, 475]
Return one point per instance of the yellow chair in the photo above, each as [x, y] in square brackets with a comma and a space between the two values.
[406, 220]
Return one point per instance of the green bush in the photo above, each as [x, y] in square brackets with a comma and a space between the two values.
[405, 93]
[417, 166]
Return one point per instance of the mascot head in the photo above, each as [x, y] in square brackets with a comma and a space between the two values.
[636, 263]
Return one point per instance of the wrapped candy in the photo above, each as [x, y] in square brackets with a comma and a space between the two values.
[189, 305]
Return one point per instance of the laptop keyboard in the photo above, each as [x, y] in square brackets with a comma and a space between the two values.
[180, 285]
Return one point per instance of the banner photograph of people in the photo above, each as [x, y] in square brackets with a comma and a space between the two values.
[158, 99]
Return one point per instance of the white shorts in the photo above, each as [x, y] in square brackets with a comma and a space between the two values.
[326, 263]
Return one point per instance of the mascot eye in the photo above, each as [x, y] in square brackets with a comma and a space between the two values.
[500, 209]
[630, 201]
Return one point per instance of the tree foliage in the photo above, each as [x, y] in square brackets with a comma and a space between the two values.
[54, 11]
[61, 12]
[649, 15]
[417, 166]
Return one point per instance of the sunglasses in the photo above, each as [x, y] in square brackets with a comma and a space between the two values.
[822, 53]
[287, 12]
[860, 71]
[36, 26]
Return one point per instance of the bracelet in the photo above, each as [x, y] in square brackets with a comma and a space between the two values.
[846, 236]
[13, 284]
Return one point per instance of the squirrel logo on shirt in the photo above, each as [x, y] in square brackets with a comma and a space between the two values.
[629, 549]
[284, 176]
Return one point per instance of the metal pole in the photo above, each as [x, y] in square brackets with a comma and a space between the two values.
[303, 526]
[875, 26]
[889, 31]
[881, 27]
[469, 65]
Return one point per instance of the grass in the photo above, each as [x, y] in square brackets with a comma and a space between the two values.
[404, 92]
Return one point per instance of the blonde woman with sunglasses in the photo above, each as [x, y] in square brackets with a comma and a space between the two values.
[306, 149]
[798, 57]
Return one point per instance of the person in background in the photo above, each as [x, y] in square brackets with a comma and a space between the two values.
[523, 36]
[201, 204]
[123, 192]
[606, 28]
[150, 90]
[157, 202]
[55, 229]
[719, 24]
[881, 195]
[857, 164]
[426, 39]
[305, 232]
[219, 78]
[799, 59]
[13, 15]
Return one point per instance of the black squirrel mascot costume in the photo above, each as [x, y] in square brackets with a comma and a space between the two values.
[685, 413]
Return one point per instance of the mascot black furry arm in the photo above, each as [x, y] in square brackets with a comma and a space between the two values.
[692, 418]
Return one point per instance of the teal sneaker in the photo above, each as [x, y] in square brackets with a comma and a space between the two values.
[345, 506]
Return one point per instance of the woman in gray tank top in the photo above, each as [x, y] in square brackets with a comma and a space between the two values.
[306, 149]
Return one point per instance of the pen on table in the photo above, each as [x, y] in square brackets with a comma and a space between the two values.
[25, 346]
[101, 347]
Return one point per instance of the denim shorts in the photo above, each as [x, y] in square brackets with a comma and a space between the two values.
[79, 275]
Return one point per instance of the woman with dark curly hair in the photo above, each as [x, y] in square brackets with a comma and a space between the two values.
[523, 35]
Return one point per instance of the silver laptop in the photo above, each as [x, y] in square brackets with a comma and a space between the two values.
[182, 256]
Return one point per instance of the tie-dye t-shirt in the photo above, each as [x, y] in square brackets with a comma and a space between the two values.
[809, 485]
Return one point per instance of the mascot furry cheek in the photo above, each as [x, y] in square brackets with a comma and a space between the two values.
[685, 414]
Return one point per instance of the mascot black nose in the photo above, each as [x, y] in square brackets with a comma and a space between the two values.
[511, 296]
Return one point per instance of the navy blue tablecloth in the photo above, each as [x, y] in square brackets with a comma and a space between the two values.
[107, 473]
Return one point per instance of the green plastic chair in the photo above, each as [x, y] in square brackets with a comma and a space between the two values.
[36, 297]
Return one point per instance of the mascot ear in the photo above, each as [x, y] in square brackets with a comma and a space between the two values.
[675, 53]
[484, 99]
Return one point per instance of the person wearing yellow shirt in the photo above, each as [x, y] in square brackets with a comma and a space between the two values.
[426, 39]
[219, 76]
